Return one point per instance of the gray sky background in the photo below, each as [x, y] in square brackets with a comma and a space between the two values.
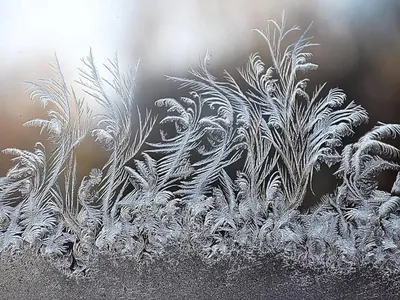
[360, 49]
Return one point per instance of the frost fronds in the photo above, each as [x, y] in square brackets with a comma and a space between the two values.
[304, 129]
[114, 126]
[227, 177]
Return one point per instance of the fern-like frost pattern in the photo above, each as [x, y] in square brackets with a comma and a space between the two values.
[181, 191]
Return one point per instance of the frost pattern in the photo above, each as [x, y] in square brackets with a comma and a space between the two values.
[179, 191]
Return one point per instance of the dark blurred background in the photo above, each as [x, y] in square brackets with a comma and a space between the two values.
[359, 52]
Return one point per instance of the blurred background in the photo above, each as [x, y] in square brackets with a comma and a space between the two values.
[359, 52]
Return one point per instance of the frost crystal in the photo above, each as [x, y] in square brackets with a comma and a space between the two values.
[179, 191]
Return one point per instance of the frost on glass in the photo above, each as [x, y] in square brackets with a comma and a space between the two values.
[178, 191]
